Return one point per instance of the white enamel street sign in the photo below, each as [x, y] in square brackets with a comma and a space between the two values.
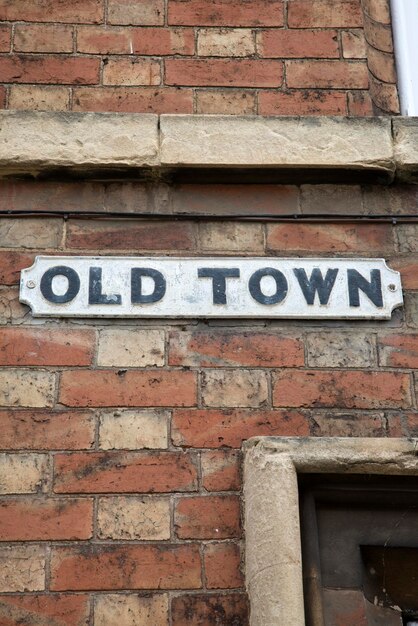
[210, 287]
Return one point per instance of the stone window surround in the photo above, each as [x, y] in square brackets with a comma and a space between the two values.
[272, 528]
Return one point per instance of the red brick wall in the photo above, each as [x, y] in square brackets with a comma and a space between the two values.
[267, 57]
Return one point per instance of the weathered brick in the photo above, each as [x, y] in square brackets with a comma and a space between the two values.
[384, 95]
[22, 568]
[35, 346]
[226, 12]
[30, 232]
[222, 566]
[128, 235]
[26, 388]
[305, 102]
[411, 309]
[233, 42]
[354, 44]
[132, 517]
[69, 196]
[43, 38]
[229, 608]
[144, 13]
[408, 267]
[337, 424]
[328, 74]
[207, 517]
[63, 610]
[84, 11]
[217, 428]
[11, 310]
[45, 430]
[11, 264]
[402, 424]
[287, 44]
[407, 235]
[225, 102]
[124, 472]
[125, 567]
[398, 350]
[145, 41]
[381, 65]
[378, 10]
[234, 388]
[230, 237]
[330, 238]
[133, 430]
[130, 348]
[331, 349]
[23, 473]
[221, 470]
[134, 100]
[332, 199]
[222, 349]
[132, 388]
[131, 71]
[378, 35]
[32, 519]
[60, 69]
[224, 72]
[324, 13]
[342, 389]
[33, 98]
[5, 37]
[359, 103]
[131, 610]
[2, 96]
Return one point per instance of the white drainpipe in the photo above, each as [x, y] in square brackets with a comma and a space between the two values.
[405, 35]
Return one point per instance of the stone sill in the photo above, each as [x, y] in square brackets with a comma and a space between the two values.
[38, 143]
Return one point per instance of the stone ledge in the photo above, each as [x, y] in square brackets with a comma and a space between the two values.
[36, 142]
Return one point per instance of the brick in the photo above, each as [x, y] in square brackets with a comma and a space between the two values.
[30, 232]
[144, 13]
[407, 237]
[131, 610]
[64, 70]
[381, 65]
[331, 199]
[23, 473]
[124, 472]
[384, 95]
[221, 470]
[222, 349]
[133, 388]
[131, 71]
[328, 74]
[230, 237]
[288, 44]
[133, 430]
[25, 195]
[22, 568]
[84, 11]
[112, 567]
[33, 98]
[225, 102]
[402, 424]
[130, 348]
[224, 72]
[226, 609]
[39, 519]
[45, 430]
[377, 10]
[398, 350]
[11, 264]
[226, 12]
[43, 38]
[359, 103]
[5, 37]
[128, 235]
[345, 607]
[331, 349]
[354, 44]
[234, 388]
[104, 40]
[411, 309]
[217, 428]
[131, 100]
[11, 310]
[2, 97]
[26, 388]
[127, 518]
[208, 517]
[233, 42]
[378, 35]
[324, 13]
[35, 346]
[346, 238]
[144, 41]
[222, 566]
[63, 610]
[336, 424]
[305, 102]
[398, 199]
[345, 389]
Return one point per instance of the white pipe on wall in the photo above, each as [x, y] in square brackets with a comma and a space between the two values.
[405, 35]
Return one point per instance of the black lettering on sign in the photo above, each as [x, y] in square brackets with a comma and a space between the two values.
[372, 289]
[254, 286]
[96, 296]
[160, 285]
[218, 276]
[316, 284]
[72, 289]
